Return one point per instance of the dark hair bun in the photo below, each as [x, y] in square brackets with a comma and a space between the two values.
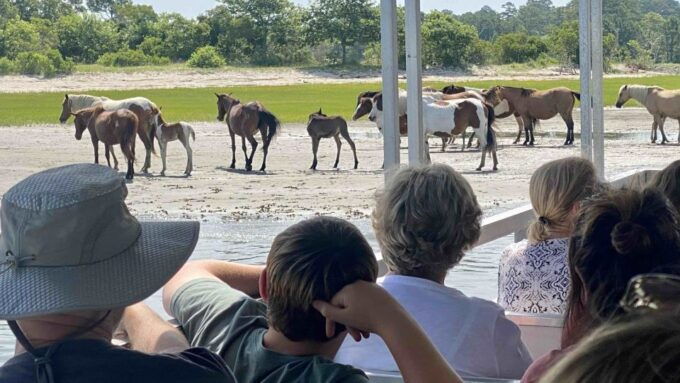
[629, 238]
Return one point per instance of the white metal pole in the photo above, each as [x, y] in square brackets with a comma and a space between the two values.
[597, 90]
[416, 134]
[584, 69]
[390, 86]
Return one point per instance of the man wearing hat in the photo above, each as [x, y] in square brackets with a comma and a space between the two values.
[72, 258]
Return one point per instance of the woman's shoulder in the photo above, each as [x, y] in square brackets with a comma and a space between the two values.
[514, 250]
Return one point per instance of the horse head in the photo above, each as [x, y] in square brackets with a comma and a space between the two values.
[81, 120]
[624, 96]
[453, 89]
[363, 108]
[376, 110]
[65, 110]
[224, 104]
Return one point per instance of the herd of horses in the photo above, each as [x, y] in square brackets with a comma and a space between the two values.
[447, 113]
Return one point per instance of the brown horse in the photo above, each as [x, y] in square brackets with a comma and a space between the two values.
[533, 105]
[321, 126]
[245, 120]
[111, 128]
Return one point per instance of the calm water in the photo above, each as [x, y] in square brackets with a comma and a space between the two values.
[248, 242]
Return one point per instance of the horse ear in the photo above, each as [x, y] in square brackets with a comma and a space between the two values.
[320, 111]
[217, 95]
[160, 108]
[625, 87]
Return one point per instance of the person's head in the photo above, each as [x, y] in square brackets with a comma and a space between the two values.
[643, 349]
[668, 181]
[312, 260]
[72, 256]
[424, 220]
[618, 234]
[556, 190]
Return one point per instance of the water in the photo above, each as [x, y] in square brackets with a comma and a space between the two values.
[248, 242]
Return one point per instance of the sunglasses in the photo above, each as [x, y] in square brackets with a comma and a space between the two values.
[652, 292]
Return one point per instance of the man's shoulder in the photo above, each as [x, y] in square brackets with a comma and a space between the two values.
[317, 369]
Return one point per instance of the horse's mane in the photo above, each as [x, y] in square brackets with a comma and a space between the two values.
[640, 92]
[82, 101]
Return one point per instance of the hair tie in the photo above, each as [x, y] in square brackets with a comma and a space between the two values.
[543, 220]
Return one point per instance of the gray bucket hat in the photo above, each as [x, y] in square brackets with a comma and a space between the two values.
[69, 243]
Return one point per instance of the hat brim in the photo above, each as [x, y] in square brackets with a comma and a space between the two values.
[124, 279]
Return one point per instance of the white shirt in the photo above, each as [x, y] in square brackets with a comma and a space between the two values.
[534, 277]
[472, 334]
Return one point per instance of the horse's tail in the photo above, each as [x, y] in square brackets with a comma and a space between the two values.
[491, 117]
[127, 142]
[267, 118]
[576, 94]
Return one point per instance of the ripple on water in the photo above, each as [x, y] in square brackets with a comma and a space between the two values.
[249, 241]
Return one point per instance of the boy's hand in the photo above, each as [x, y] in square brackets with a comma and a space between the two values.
[362, 307]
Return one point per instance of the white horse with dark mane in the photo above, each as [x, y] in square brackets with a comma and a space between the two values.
[660, 103]
[140, 106]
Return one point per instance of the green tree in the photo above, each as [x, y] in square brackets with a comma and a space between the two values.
[487, 21]
[106, 8]
[564, 43]
[181, 36]
[671, 31]
[665, 8]
[343, 22]
[520, 47]
[20, 36]
[7, 12]
[263, 16]
[446, 41]
[86, 37]
[651, 36]
[537, 16]
[135, 22]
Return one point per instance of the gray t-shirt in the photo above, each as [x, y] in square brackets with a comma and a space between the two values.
[227, 322]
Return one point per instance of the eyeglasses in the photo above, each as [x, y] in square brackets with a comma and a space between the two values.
[657, 292]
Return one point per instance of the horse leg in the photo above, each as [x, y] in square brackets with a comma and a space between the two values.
[652, 134]
[679, 130]
[253, 145]
[462, 146]
[469, 144]
[482, 163]
[338, 144]
[164, 153]
[495, 157]
[249, 166]
[315, 148]
[115, 160]
[143, 129]
[266, 140]
[662, 121]
[444, 140]
[233, 149]
[527, 124]
[95, 145]
[531, 131]
[345, 135]
[107, 150]
[520, 127]
[570, 130]
[130, 170]
[190, 155]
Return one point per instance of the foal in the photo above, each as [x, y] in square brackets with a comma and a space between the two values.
[321, 126]
[165, 133]
[112, 128]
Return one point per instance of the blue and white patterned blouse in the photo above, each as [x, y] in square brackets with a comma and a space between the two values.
[534, 278]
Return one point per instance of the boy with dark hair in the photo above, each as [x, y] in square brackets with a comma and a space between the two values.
[322, 263]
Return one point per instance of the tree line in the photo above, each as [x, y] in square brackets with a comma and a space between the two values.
[50, 36]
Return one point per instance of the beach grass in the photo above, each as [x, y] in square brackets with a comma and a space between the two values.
[291, 103]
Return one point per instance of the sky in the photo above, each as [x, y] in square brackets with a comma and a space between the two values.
[192, 8]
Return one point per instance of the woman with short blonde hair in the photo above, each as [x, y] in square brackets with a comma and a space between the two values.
[533, 274]
[424, 220]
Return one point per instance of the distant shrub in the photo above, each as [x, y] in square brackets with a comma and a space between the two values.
[152, 46]
[206, 57]
[33, 63]
[6, 66]
[124, 57]
[59, 64]
[157, 60]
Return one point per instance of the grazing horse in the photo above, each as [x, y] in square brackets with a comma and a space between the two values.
[321, 126]
[533, 105]
[660, 103]
[181, 131]
[245, 120]
[453, 117]
[142, 107]
[111, 128]
[453, 89]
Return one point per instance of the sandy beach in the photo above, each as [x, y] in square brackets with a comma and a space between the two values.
[290, 190]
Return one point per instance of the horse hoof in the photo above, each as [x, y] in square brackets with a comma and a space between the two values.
[531, 144]
[162, 174]
[479, 169]
[495, 168]
[526, 144]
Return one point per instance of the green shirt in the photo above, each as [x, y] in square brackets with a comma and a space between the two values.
[227, 322]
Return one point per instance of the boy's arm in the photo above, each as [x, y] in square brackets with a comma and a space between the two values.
[240, 277]
[149, 333]
[365, 307]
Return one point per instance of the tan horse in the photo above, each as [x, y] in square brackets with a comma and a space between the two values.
[321, 126]
[143, 108]
[179, 131]
[117, 127]
[245, 120]
[533, 105]
[660, 103]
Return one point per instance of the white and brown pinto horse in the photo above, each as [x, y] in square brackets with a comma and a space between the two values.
[452, 118]
[245, 120]
[533, 105]
[118, 127]
[143, 108]
[179, 131]
[660, 103]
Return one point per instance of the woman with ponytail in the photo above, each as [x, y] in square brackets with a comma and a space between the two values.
[533, 274]
[617, 236]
